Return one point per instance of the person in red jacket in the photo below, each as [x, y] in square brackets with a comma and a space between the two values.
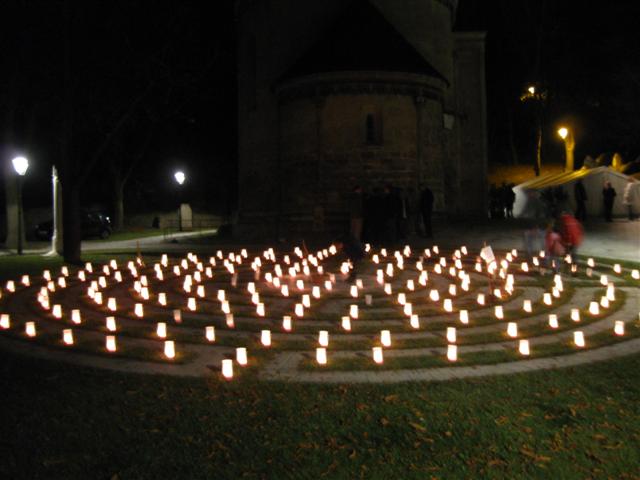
[572, 233]
[554, 248]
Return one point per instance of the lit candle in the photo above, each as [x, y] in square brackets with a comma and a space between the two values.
[385, 338]
[67, 336]
[111, 343]
[169, 349]
[578, 339]
[227, 368]
[161, 330]
[377, 355]
[618, 327]
[210, 333]
[241, 356]
[75, 316]
[452, 353]
[512, 329]
[323, 338]
[321, 355]
[553, 320]
[524, 347]
[265, 337]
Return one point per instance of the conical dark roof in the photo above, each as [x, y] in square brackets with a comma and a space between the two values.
[362, 40]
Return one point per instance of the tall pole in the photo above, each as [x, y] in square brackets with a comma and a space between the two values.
[19, 180]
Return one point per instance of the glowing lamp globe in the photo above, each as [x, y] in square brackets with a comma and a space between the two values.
[20, 165]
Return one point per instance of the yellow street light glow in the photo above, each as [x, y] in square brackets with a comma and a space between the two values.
[531, 90]
[563, 132]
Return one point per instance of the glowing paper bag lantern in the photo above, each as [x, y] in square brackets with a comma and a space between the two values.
[67, 336]
[481, 299]
[553, 320]
[111, 304]
[594, 308]
[434, 295]
[169, 349]
[226, 308]
[402, 298]
[499, 312]
[377, 355]
[464, 316]
[408, 309]
[260, 310]
[161, 330]
[611, 292]
[604, 302]
[387, 288]
[315, 291]
[385, 338]
[75, 316]
[321, 355]
[210, 333]
[111, 324]
[138, 310]
[346, 323]
[526, 306]
[368, 299]
[415, 321]
[306, 301]
[546, 299]
[229, 320]
[451, 334]
[30, 329]
[617, 269]
[11, 286]
[353, 311]
[5, 321]
[524, 347]
[265, 337]
[604, 280]
[578, 339]
[635, 274]
[162, 299]
[25, 280]
[177, 315]
[575, 314]
[448, 305]
[618, 327]
[512, 329]
[452, 353]
[110, 343]
[299, 310]
[323, 338]
[241, 356]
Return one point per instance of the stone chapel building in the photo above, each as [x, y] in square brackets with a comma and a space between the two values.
[338, 93]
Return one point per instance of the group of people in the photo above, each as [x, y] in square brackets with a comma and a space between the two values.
[389, 214]
[501, 200]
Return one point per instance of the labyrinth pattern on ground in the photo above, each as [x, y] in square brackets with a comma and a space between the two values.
[401, 315]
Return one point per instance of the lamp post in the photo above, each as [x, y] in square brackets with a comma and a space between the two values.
[539, 96]
[180, 178]
[569, 146]
[20, 165]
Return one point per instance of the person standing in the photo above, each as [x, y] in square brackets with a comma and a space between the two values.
[356, 211]
[608, 196]
[628, 197]
[580, 194]
[426, 208]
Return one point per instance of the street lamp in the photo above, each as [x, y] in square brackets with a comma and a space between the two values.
[569, 146]
[180, 178]
[20, 165]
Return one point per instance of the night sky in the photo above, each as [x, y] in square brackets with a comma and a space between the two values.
[165, 73]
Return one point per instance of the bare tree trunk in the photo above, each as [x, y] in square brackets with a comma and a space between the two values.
[72, 238]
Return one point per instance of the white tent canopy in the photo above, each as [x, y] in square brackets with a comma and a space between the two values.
[529, 204]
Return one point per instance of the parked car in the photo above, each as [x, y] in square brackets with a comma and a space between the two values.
[93, 225]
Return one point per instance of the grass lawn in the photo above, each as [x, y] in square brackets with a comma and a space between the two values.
[70, 422]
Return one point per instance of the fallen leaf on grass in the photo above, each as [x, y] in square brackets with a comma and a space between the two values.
[417, 426]
[390, 398]
[384, 422]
